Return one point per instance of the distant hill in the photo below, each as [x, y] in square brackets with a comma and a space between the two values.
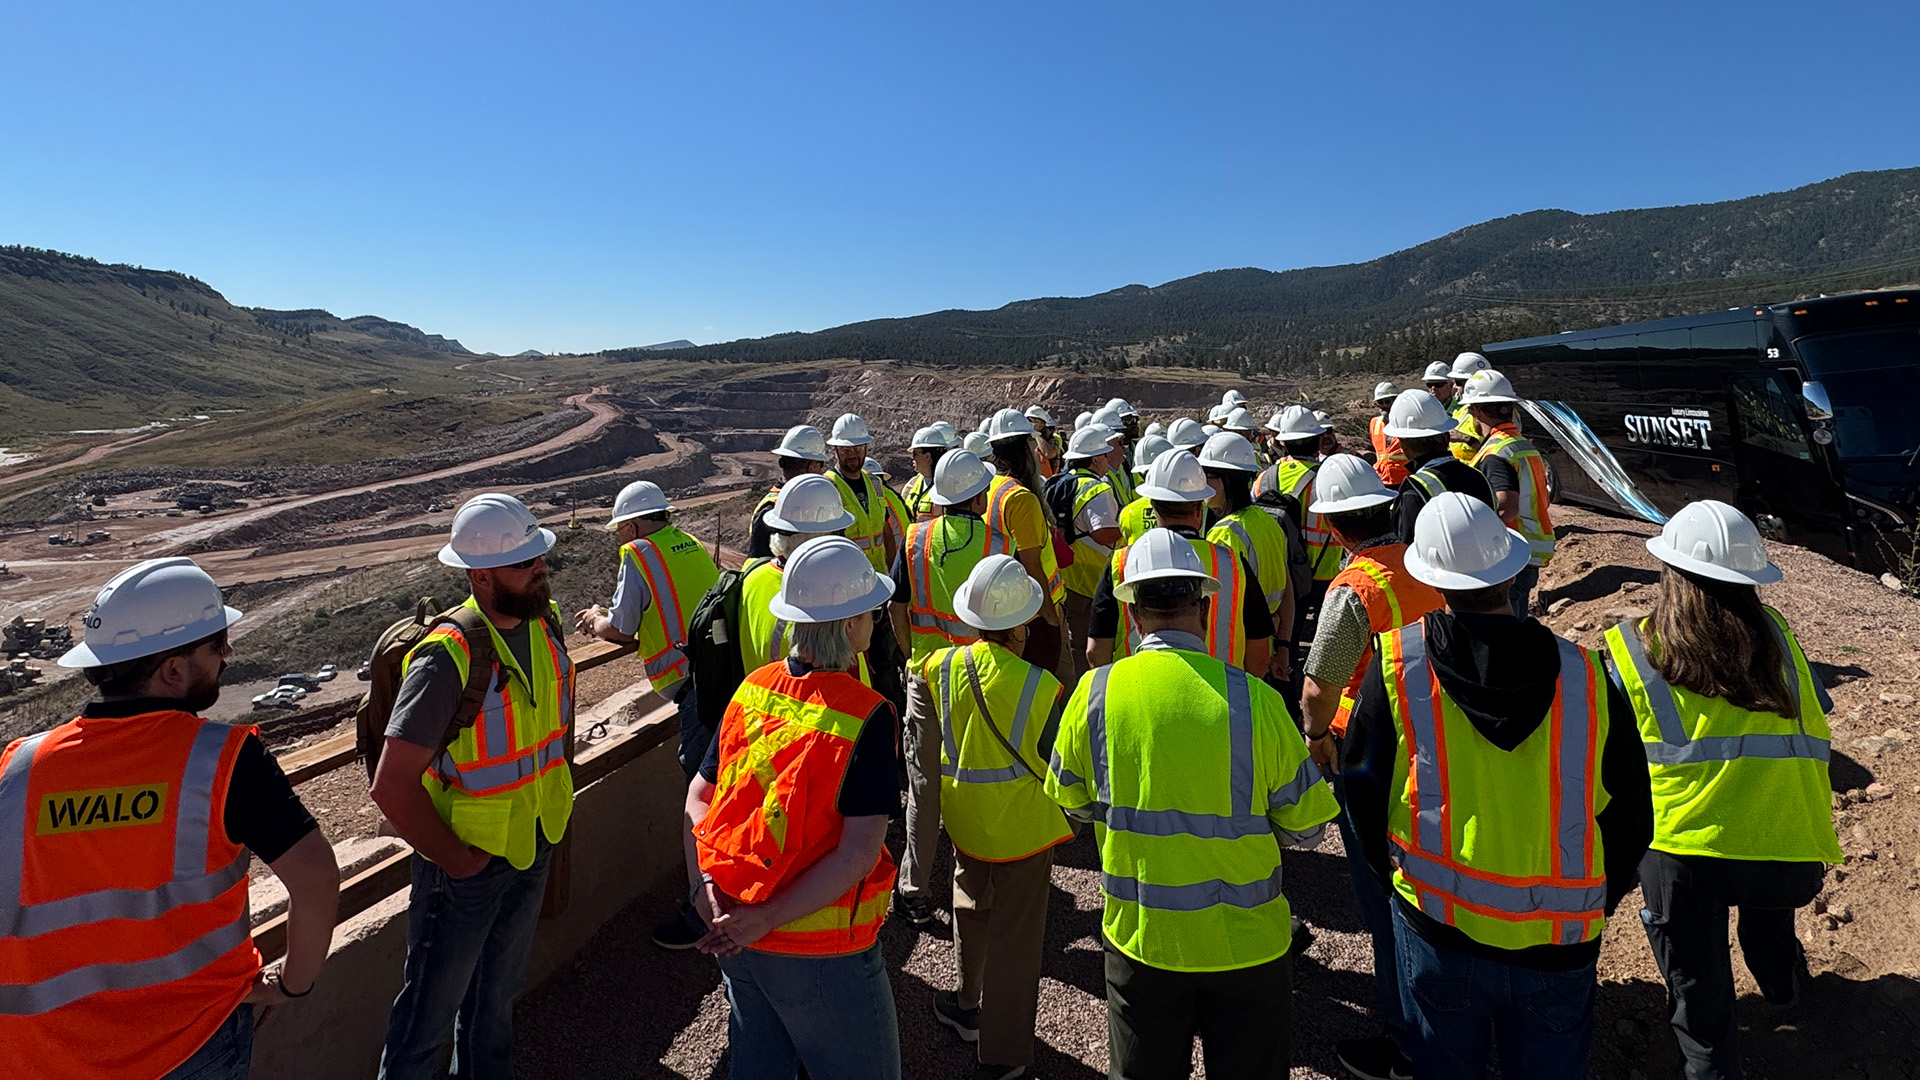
[85, 344]
[1528, 273]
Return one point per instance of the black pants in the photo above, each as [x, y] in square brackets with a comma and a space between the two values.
[1687, 898]
[1244, 1018]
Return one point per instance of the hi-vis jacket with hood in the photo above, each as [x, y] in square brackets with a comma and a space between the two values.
[1502, 674]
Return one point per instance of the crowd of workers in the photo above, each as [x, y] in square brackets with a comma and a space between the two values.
[1207, 640]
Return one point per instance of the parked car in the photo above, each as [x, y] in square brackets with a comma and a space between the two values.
[300, 679]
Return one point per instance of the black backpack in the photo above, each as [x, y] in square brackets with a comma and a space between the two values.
[1063, 490]
[713, 650]
[1292, 517]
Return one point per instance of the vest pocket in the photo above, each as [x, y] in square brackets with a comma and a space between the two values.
[484, 823]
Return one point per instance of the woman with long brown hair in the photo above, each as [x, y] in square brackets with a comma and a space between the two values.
[1018, 509]
[1735, 728]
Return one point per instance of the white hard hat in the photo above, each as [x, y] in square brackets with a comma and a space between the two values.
[1438, 371]
[1344, 482]
[1089, 442]
[977, 444]
[958, 476]
[1488, 387]
[637, 498]
[1185, 434]
[1460, 543]
[1325, 420]
[1240, 420]
[1417, 414]
[873, 466]
[1040, 413]
[1156, 428]
[1384, 391]
[1210, 430]
[1465, 365]
[1233, 399]
[826, 579]
[998, 594]
[149, 608]
[951, 433]
[1295, 422]
[1082, 420]
[809, 504]
[1121, 406]
[1218, 413]
[1714, 540]
[1148, 451]
[804, 442]
[1176, 477]
[931, 438]
[1109, 417]
[982, 429]
[1160, 554]
[1008, 424]
[849, 430]
[1229, 450]
[494, 530]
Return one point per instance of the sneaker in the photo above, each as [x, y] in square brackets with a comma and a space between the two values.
[917, 910]
[1373, 1059]
[677, 934]
[1302, 937]
[1791, 997]
[965, 1022]
[984, 1071]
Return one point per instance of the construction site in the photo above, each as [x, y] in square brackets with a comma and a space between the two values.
[322, 557]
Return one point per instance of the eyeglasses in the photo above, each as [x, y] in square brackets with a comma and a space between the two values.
[525, 564]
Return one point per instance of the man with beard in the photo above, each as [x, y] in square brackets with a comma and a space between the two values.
[125, 874]
[482, 805]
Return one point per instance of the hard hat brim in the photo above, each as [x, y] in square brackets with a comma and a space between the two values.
[539, 543]
[1519, 553]
[1222, 463]
[1125, 591]
[1351, 502]
[963, 606]
[1166, 494]
[781, 451]
[1660, 549]
[86, 656]
[1489, 399]
[848, 442]
[624, 518]
[845, 520]
[881, 592]
[1393, 432]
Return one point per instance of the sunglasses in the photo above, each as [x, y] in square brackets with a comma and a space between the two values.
[525, 564]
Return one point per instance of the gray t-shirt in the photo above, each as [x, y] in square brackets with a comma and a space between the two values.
[631, 598]
[430, 690]
[1340, 638]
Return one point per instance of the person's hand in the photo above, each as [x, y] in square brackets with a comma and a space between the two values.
[736, 929]
[1280, 665]
[1050, 614]
[710, 903]
[584, 618]
[1325, 751]
[474, 862]
[267, 996]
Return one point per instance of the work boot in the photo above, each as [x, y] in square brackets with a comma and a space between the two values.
[917, 910]
[964, 1022]
[1302, 936]
[683, 931]
[1373, 1059]
[1789, 996]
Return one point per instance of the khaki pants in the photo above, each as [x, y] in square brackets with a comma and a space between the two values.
[920, 744]
[999, 929]
[1079, 618]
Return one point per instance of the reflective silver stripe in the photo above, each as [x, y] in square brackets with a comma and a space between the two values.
[481, 779]
[941, 624]
[1240, 532]
[1576, 722]
[493, 713]
[1675, 748]
[1198, 896]
[1097, 732]
[1295, 789]
[1583, 901]
[1182, 823]
[1028, 691]
[1066, 776]
[980, 776]
[1666, 713]
[194, 820]
[1573, 931]
[779, 634]
[1240, 746]
[666, 661]
[32, 999]
[664, 599]
[946, 709]
[32, 920]
[15, 822]
[1422, 718]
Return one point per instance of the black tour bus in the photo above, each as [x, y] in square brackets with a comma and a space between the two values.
[1804, 415]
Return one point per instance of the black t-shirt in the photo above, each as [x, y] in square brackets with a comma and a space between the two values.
[1500, 473]
[859, 486]
[760, 536]
[1254, 617]
[262, 813]
[870, 787]
[1453, 474]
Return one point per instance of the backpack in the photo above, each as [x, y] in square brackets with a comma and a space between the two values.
[388, 664]
[1062, 491]
[713, 653]
[1287, 510]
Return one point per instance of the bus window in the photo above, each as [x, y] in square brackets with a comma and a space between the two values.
[1873, 377]
[1767, 418]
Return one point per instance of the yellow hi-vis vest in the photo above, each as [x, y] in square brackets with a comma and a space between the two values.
[869, 528]
[940, 555]
[1294, 477]
[1531, 470]
[678, 572]
[1136, 518]
[1501, 845]
[509, 770]
[1226, 625]
[1121, 480]
[763, 638]
[918, 495]
[1089, 558]
[1191, 772]
[993, 803]
[1728, 782]
[1003, 490]
[1253, 534]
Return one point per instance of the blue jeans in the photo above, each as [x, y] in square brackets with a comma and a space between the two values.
[1460, 1005]
[1520, 590]
[468, 941]
[1376, 911]
[695, 737]
[226, 1056]
[832, 1014]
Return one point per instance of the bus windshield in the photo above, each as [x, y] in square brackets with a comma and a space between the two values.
[1873, 378]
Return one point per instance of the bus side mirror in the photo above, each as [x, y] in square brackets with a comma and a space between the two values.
[1819, 407]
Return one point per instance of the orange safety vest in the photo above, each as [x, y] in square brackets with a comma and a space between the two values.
[785, 743]
[1393, 598]
[124, 939]
[1390, 461]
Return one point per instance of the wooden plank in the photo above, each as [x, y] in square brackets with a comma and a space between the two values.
[320, 758]
[593, 654]
[357, 894]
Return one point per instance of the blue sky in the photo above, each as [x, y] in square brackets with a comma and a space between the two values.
[575, 176]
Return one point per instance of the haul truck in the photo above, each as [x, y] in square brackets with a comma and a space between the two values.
[1804, 415]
